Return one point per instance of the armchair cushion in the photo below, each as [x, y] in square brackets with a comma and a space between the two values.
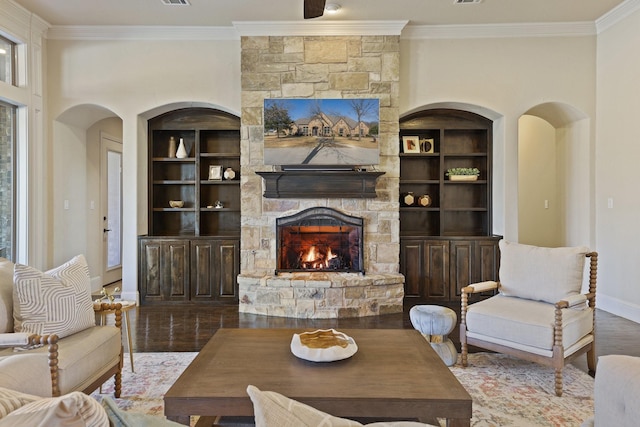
[56, 302]
[542, 274]
[525, 323]
[26, 372]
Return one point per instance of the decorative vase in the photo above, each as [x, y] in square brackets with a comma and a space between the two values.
[229, 173]
[172, 147]
[408, 198]
[424, 200]
[182, 151]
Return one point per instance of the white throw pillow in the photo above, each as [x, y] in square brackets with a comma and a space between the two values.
[74, 409]
[56, 302]
[10, 400]
[272, 409]
[541, 274]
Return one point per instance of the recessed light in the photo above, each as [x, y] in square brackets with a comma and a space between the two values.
[176, 2]
[332, 7]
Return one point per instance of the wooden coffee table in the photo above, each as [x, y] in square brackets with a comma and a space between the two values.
[395, 374]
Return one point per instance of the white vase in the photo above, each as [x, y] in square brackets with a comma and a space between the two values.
[182, 151]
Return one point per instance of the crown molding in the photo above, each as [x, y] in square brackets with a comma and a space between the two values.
[19, 24]
[127, 32]
[330, 28]
[319, 28]
[553, 29]
[617, 14]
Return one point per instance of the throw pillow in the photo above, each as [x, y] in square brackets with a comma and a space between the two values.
[541, 274]
[10, 400]
[74, 409]
[55, 302]
[272, 409]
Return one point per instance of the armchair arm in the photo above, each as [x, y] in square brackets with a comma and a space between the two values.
[572, 301]
[480, 287]
[15, 339]
[104, 308]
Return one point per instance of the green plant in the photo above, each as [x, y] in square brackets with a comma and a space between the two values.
[463, 171]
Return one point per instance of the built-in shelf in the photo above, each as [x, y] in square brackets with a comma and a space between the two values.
[311, 184]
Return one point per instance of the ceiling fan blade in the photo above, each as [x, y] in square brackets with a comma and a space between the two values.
[313, 8]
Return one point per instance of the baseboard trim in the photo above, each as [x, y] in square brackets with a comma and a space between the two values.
[618, 307]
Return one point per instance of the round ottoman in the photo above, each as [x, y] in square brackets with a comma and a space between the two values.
[435, 323]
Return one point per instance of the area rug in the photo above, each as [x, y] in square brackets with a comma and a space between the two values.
[506, 391]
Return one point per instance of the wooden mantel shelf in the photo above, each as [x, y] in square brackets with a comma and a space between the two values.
[311, 184]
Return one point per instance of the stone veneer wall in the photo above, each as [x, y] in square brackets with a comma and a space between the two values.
[319, 67]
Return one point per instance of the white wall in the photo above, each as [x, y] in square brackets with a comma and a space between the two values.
[617, 164]
[132, 78]
[508, 76]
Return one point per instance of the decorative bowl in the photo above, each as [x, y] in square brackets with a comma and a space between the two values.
[176, 203]
[323, 345]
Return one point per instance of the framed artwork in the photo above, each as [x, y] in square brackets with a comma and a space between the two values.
[215, 173]
[410, 144]
[333, 134]
[426, 145]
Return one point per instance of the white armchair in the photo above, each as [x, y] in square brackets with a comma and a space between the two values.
[539, 313]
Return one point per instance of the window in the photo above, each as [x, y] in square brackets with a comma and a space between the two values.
[7, 61]
[7, 180]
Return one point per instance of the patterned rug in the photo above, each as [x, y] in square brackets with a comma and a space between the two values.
[505, 391]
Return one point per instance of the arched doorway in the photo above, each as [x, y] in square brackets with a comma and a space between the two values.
[77, 187]
[554, 170]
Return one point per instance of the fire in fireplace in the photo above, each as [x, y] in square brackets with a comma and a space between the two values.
[319, 239]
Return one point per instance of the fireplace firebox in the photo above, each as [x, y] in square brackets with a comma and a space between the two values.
[319, 239]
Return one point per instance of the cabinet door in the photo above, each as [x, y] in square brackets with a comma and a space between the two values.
[149, 270]
[175, 268]
[412, 267]
[436, 269]
[462, 266]
[215, 266]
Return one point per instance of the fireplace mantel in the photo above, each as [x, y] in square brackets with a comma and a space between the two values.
[311, 184]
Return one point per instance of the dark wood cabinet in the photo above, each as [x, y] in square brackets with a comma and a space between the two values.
[446, 239]
[207, 225]
[188, 269]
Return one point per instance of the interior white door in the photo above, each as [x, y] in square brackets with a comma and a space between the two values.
[111, 208]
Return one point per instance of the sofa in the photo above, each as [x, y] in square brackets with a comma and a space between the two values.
[616, 391]
[49, 342]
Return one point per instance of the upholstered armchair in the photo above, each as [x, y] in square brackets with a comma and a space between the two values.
[539, 313]
[49, 342]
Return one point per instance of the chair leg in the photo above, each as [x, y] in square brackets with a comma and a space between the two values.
[118, 383]
[591, 360]
[558, 382]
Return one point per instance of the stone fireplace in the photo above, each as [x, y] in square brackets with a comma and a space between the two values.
[320, 67]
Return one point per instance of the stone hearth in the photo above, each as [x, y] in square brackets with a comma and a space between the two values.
[322, 295]
[320, 67]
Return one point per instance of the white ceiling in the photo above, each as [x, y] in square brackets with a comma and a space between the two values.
[221, 13]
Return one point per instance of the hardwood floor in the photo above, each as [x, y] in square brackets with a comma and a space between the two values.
[159, 328]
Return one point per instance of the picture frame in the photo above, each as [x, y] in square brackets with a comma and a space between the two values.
[411, 144]
[215, 173]
[426, 145]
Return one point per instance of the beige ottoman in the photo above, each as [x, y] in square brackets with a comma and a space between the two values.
[435, 323]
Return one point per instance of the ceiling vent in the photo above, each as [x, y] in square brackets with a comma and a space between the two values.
[466, 1]
[176, 2]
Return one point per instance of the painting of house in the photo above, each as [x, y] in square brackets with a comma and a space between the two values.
[321, 132]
